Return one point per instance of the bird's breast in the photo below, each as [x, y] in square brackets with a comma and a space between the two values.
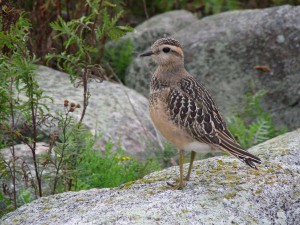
[163, 123]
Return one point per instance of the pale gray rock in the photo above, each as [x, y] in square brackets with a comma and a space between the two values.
[157, 26]
[222, 51]
[24, 162]
[142, 37]
[24, 152]
[118, 113]
[222, 190]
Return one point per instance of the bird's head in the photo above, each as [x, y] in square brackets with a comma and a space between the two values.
[166, 52]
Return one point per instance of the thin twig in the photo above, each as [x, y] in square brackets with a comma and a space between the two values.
[146, 132]
[86, 70]
[145, 9]
[34, 125]
[93, 42]
[12, 134]
[65, 139]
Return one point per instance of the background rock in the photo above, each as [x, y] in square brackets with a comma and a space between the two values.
[156, 27]
[25, 167]
[222, 190]
[23, 151]
[222, 51]
[117, 112]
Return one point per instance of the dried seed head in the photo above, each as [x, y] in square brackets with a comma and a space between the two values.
[66, 103]
[72, 104]
[72, 109]
[78, 106]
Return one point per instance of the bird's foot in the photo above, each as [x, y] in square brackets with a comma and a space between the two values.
[187, 178]
[177, 185]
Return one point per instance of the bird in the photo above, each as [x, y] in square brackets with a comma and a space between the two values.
[184, 112]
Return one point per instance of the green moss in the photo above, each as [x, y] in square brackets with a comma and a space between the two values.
[16, 220]
[230, 195]
[46, 208]
[147, 181]
[296, 195]
[232, 177]
[220, 168]
[269, 182]
[141, 181]
[258, 191]
[184, 211]
[128, 184]
[217, 169]
[256, 172]
[270, 170]
[234, 183]
[278, 167]
[235, 166]
[151, 192]
[163, 188]
[220, 162]
[45, 200]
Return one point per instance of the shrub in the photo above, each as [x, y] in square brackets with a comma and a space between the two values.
[120, 57]
[252, 124]
[110, 169]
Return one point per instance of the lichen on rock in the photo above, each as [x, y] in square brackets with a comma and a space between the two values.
[222, 190]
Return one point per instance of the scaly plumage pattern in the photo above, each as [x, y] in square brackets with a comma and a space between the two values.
[166, 41]
[193, 109]
[183, 110]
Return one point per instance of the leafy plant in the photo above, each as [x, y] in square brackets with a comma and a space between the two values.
[66, 145]
[217, 6]
[120, 57]
[6, 205]
[25, 196]
[18, 76]
[110, 169]
[83, 42]
[252, 124]
[170, 4]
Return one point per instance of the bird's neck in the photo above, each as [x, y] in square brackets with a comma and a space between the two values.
[171, 67]
[166, 76]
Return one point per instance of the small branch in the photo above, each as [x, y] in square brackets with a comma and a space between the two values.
[145, 9]
[34, 126]
[147, 133]
[85, 90]
[93, 42]
[12, 135]
[58, 7]
[86, 70]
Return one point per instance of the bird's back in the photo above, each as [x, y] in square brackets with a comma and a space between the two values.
[183, 110]
[186, 114]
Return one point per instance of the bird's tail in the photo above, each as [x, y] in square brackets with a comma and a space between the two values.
[232, 147]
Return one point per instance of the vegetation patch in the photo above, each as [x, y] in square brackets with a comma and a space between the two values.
[230, 195]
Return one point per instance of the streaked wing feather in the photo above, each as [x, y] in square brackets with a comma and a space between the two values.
[192, 108]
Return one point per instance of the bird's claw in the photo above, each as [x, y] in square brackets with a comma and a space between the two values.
[177, 185]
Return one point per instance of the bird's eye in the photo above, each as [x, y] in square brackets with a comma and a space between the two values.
[166, 50]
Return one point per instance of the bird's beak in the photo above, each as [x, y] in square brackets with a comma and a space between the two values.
[146, 54]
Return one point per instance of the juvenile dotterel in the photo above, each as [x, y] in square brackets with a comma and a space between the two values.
[184, 112]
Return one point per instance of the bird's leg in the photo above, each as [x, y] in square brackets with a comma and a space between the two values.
[181, 162]
[193, 154]
[181, 183]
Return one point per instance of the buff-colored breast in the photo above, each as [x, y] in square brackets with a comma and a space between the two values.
[159, 114]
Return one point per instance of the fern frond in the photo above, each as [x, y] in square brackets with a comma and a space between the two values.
[116, 18]
[260, 130]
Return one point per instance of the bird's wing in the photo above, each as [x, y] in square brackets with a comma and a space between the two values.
[193, 109]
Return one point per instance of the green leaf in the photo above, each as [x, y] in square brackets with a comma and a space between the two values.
[107, 3]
